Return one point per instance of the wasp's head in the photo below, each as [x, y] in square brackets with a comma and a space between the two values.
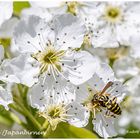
[95, 98]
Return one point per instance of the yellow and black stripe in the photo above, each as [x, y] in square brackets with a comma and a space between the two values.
[113, 107]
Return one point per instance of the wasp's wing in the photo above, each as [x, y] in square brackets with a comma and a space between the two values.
[117, 89]
[107, 86]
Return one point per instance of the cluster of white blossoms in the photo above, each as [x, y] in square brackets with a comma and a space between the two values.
[75, 57]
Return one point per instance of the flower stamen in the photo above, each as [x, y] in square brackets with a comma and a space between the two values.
[49, 58]
[55, 114]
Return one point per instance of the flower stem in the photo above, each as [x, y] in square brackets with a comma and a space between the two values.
[47, 132]
[29, 115]
[17, 120]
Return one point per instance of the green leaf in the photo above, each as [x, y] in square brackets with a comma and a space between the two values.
[65, 130]
[19, 6]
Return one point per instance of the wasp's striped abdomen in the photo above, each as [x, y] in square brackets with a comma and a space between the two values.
[113, 107]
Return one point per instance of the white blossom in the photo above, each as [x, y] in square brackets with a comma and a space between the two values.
[54, 108]
[114, 23]
[49, 49]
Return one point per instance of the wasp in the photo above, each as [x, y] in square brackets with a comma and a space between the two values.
[103, 100]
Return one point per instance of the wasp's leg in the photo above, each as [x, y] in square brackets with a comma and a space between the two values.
[94, 106]
[99, 109]
[107, 113]
[94, 114]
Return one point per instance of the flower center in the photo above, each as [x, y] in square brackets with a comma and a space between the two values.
[117, 53]
[87, 41]
[49, 59]
[113, 14]
[54, 114]
[72, 6]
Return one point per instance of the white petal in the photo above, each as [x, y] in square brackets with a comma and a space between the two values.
[101, 38]
[96, 83]
[101, 128]
[6, 10]
[7, 28]
[89, 65]
[78, 115]
[5, 97]
[36, 97]
[105, 73]
[82, 93]
[44, 92]
[69, 31]
[14, 49]
[19, 70]
[33, 35]
[42, 13]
